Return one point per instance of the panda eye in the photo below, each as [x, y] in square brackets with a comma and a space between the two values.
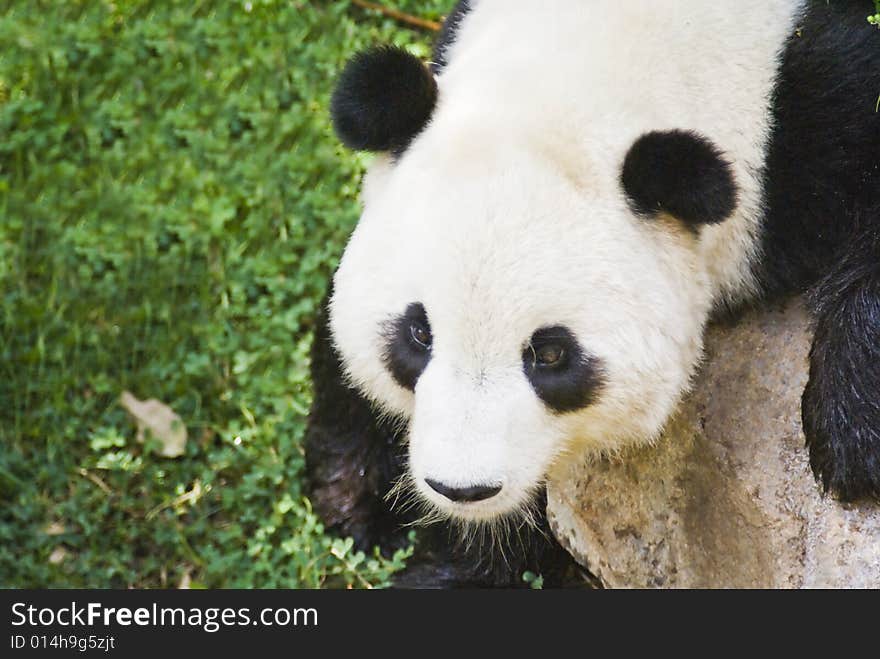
[420, 336]
[564, 376]
[408, 342]
[549, 356]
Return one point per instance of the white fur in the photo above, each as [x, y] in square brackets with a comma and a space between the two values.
[506, 215]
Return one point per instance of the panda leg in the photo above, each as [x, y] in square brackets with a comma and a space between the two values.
[352, 460]
[841, 403]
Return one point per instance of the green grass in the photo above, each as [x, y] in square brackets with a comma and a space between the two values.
[874, 19]
[172, 204]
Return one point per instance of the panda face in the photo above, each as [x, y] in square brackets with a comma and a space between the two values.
[511, 311]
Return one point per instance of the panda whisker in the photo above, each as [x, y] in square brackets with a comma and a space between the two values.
[503, 543]
[399, 425]
[434, 516]
[401, 483]
[412, 502]
[396, 423]
[406, 505]
[402, 487]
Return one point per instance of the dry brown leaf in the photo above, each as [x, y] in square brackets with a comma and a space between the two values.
[58, 555]
[185, 581]
[159, 420]
[55, 528]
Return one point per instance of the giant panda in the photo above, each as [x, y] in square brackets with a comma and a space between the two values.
[560, 201]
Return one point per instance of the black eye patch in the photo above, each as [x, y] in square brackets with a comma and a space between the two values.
[563, 375]
[408, 343]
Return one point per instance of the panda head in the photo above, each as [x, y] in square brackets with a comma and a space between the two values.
[512, 297]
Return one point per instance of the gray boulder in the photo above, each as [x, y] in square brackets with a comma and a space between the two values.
[726, 497]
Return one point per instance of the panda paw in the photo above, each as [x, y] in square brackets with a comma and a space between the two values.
[843, 463]
[840, 410]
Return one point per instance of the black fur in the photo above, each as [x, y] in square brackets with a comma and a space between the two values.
[841, 404]
[822, 198]
[680, 173]
[570, 384]
[353, 459]
[405, 358]
[822, 173]
[384, 98]
[448, 34]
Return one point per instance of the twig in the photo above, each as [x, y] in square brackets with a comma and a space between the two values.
[96, 480]
[397, 15]
[190, 497]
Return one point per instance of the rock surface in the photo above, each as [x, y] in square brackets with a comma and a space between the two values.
[726, 497]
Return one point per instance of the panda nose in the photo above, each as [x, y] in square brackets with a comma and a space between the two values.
[464, 494]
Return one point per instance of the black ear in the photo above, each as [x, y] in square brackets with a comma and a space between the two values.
[680, 173]
[383, 99]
